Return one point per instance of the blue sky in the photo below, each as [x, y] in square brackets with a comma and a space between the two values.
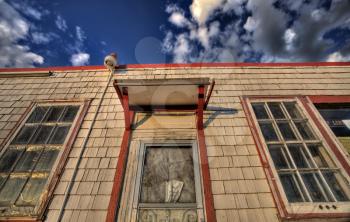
[81, 32]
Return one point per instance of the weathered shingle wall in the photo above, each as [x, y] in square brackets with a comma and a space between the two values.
[241, 192]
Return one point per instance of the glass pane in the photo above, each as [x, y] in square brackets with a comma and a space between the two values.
[54, 113]
[168, 176]
[32, 191]
[286, 131]
[11, 190]
[59, 135]
[69, 114]
[312, 186]
[305, 131]
[291, 187]
[42, 135]
[337, 185]
[28, 160]
[276, 110]
[268, 131]
[320, 156]
[2, 179]
[37, 115]
[47, 159]
[260, 111]
[9, 158]
[298, 155]
[292, 110]
[24, 135]
[278, 157]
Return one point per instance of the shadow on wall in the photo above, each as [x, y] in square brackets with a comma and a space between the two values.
[217, 111]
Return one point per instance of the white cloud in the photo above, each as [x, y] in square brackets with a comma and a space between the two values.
[338, 57]
[80, 33]
[28, 10]
[202, 9]
[61, 23]
[42, 38]
[250, 24]
[181, 49]
[80, 59]
[178, 19]
[14, 28]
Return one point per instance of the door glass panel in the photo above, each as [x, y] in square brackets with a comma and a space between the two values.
[11, 189]
[164, 215]
[286, 131]
[260, 111]
[32, 191]
[291, 187]
[168, 176]
[9, 159]
[276, 110]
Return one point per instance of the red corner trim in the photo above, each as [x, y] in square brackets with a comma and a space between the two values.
[326, 135]
[208, 194]
[180, 65]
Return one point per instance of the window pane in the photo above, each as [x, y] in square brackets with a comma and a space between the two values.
[24, 135]
[260, 111]
[320, 156]
[9, 158]
[298, 155]
[276, 110]
[290, 186]
[312, 186]
[305, 131]
[337, 185]
[42, 135]
[167, 215]
[27, 160]
[37, 115]
[59, 135]
[2, 179]
[54, 113]
[286, 131]
[11, 190]
[292, 110]
[47, 159]
[278, 157]
[168, 176]
[268, 132]
[69, 114]
[32, 191]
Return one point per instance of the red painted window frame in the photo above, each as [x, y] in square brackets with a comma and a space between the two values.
[307, 102]
[58, 170]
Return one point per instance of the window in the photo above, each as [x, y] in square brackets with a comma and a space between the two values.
[307, 172]
[26, 163]
[169, 186]
[337, 117]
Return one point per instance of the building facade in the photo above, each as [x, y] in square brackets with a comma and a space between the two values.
[176, 142]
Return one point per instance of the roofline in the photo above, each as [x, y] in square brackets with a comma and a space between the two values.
[177, 65]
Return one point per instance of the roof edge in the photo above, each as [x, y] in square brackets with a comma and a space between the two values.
[176, 65]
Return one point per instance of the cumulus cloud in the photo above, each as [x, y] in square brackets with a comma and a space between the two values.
[13, 29]
[265, 31]
[80, 59]
[61, 23]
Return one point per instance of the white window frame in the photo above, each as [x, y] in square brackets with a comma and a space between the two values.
[305, 208]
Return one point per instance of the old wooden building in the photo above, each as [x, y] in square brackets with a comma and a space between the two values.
[176, 142]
